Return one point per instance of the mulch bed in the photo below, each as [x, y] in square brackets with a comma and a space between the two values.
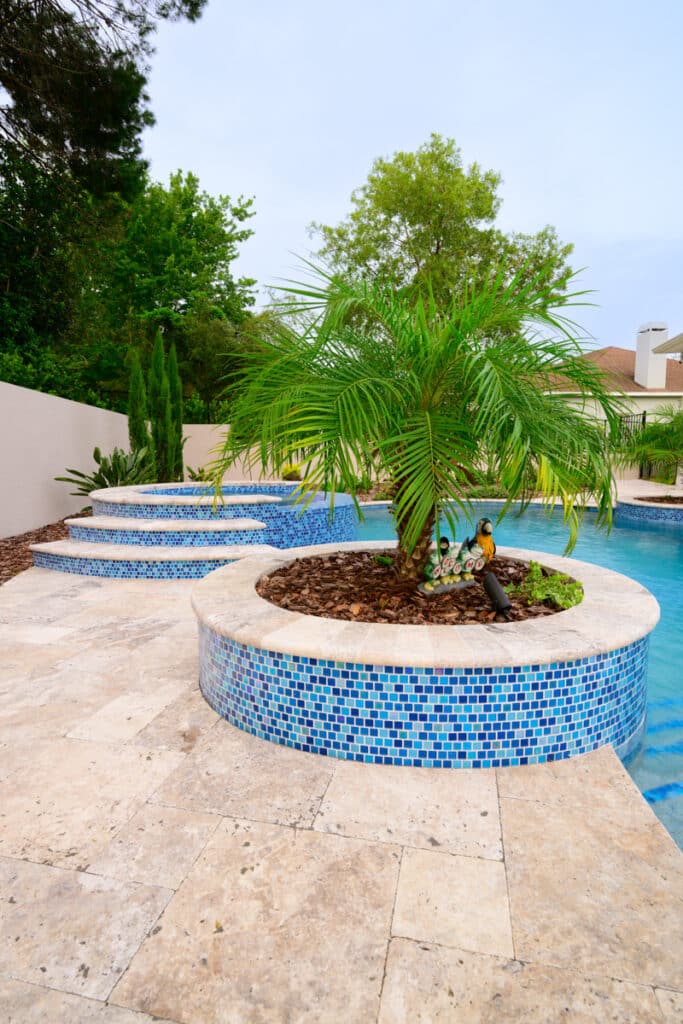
[352, 585]
[664, 499]
[15, 554]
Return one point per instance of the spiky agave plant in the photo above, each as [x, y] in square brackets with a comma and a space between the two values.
[427, 396]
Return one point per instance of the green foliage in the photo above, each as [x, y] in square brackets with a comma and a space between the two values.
[290, 471]
[74, 74]
[422, 221]
[203, 474]
[424, 394]
[159, 400]
[659, 442]
[539, 586]
[116, 470]
[176, 396]
[138, 430]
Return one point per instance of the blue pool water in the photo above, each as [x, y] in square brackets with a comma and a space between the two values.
[653, 555]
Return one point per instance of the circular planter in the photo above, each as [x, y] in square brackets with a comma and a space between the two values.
[647, 512]
[433, 696]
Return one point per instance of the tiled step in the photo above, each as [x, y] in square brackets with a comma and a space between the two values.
[165, 532]
[132, 562]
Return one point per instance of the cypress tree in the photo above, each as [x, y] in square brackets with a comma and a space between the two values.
[167, 431]
[176, 393]
[138, 430]
[160, 410]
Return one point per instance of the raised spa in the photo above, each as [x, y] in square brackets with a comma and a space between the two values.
[432, 696]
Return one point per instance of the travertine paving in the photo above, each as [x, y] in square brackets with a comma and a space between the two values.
[158, 864]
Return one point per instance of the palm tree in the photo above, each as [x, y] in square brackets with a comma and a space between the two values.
[660, 442]
[428, 397]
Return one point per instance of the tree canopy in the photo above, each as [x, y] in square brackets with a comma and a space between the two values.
[424, 220]
[74, 73]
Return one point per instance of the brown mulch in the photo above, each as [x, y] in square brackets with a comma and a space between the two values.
[353, 585]
[15, 554]
[664, 499]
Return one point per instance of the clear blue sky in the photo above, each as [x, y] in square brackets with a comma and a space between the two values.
[577, 105]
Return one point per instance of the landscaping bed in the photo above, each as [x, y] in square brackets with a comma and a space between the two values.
[15, 552]
[353, 585]
[662, 499]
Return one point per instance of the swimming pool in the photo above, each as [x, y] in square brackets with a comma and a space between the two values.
[653, 555]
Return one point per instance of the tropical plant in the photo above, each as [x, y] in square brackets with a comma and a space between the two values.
[116, 470]
[539, 585]
[427, 396]
[659, 442]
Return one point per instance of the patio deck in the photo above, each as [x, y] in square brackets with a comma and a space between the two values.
[156, 863]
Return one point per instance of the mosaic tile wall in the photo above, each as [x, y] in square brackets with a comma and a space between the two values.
[166, 538]
[627, 513]
[123, 569]
[438, 718]
[286, 526]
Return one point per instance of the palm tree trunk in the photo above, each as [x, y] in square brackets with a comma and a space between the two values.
[410, 565]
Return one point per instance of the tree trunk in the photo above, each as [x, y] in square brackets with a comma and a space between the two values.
[410, 566]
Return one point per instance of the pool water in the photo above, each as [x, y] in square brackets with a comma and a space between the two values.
[651, 554]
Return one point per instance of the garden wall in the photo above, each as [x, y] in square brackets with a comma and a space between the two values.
[40, 435]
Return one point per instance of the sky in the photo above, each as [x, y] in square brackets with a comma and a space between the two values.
[577, 106]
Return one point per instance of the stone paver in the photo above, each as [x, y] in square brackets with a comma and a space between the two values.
[156, 863]
[71, 930]
[454, 812]
[428, 984]
[272, 923]
[454, 901]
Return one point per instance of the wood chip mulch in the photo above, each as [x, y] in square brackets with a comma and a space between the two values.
[352, 585]
[664, 499]
[15, 553]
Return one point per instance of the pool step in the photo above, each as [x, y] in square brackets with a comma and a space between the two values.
[164, 532]
[130, 561]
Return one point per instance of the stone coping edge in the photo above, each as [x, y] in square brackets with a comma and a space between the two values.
[149, 552]
[615, 612]
[138, 494]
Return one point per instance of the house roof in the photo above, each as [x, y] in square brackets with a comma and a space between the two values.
[672, 345]
[619, 364]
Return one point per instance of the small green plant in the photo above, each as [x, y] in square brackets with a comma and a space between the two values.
[291, 472]
[559, 588]
[202, 474]
[116, 470]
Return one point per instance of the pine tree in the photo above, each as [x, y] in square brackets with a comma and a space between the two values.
[176, 393]
[138, 430]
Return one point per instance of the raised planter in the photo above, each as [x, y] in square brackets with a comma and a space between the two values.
[434, 696]
[633, 511]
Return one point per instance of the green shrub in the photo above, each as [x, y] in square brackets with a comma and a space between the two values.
[559, 588]
[116, 470]
[290, 472]
[202, 474]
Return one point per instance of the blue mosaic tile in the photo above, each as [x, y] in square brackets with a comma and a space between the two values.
[627, 513]
[128, 569]
[438, 718]
[165, 538]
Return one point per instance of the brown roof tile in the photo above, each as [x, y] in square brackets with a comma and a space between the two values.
[619, 364]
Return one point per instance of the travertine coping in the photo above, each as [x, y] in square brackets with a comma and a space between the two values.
[149, 553]
[615, 612]
[130, 525]
[139, 495]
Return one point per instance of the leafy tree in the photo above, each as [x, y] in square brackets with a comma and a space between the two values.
[176, 399]
[176, 250]
[159, 398]
[427, 395]
[423, 220]
[74, 73]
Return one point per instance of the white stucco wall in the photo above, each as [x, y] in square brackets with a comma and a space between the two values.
[41, 435]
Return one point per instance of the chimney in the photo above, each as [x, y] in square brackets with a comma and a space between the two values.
[650, 368]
